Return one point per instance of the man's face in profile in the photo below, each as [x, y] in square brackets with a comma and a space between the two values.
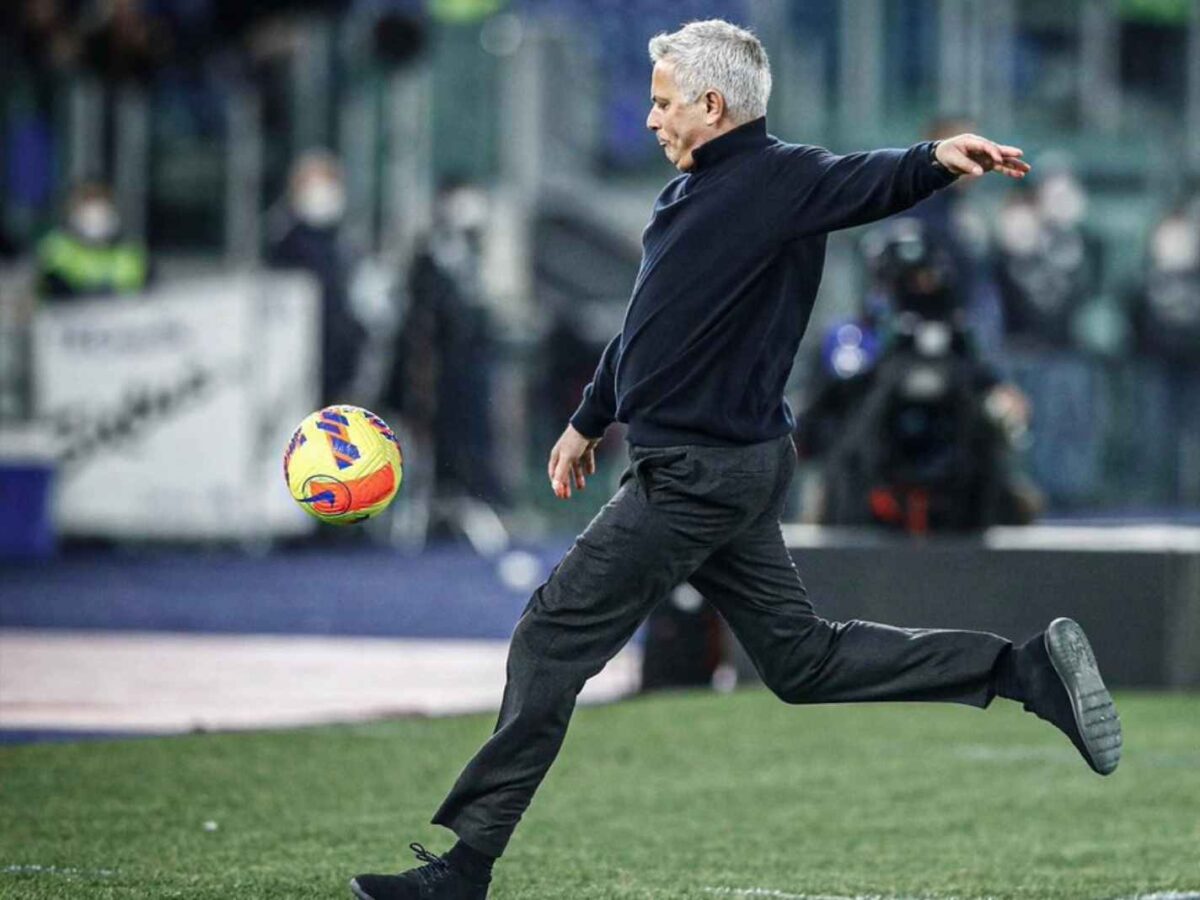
[678, 125]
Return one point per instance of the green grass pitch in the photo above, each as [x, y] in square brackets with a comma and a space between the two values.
[674, 796]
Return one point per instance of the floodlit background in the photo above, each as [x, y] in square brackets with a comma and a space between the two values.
[218, 217]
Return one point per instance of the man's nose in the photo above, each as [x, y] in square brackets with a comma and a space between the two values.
[651, 123]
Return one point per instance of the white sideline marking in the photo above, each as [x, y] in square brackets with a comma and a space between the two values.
[1061, 753]
[1021, 753]
[57, 870]
[782, 895]
[765, 892]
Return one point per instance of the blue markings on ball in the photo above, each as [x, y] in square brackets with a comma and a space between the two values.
[344, 452]
[323, 497]
[381, 427]
[298, 440]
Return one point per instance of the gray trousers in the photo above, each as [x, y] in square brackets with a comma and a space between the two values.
[710, 516]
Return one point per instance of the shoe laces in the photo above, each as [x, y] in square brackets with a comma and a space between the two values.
[435, 869]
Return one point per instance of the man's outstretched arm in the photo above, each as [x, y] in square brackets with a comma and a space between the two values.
[824, 192]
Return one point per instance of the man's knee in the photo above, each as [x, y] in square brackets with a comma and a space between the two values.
[563, 644]
[786, 676]
[788, 687]
[792, 672]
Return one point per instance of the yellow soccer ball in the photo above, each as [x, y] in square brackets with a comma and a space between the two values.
[343, 464]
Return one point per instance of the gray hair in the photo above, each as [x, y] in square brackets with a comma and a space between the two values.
[717, 55]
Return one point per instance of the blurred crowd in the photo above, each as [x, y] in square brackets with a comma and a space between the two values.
[182, 53]
[911, 407]
[136, 39]
[913, 412]
[75, 238]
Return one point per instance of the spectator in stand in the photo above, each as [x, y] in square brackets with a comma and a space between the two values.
[443, 369]
[88, 257]
[1166, 306]
[44, 36]
[128, 42]
[1048, 264]
[306, 234]
[1166, 321]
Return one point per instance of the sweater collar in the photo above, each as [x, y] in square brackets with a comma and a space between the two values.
[749, 136]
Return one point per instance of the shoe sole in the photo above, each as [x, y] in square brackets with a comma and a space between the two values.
[1095, 713]
[359, 892]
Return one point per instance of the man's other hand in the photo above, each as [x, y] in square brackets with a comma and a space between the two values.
[572, 460]
[970, 154]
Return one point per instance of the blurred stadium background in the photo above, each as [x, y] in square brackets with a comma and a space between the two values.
[220, 215]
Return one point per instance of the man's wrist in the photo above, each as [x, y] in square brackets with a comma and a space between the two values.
[933, 158]
[937, 163]
[588, 424]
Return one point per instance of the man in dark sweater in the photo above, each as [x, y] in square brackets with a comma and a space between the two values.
[731, 262]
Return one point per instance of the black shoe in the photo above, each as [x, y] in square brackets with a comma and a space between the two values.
[436, 880]
[1062, 685]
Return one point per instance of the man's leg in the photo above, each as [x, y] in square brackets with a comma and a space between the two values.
[589, 607]
[806, 659]
[574, 624]
[666, 518]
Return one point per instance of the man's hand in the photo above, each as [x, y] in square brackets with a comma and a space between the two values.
[572, 459]
[970, 154]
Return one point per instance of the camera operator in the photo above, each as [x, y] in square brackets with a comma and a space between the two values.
[924, 436]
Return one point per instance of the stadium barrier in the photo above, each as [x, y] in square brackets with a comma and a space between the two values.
[168, 412]
[1135, 589]
[26, 485]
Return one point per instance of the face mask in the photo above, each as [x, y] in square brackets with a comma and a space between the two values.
[95, 221]
[1175, 246]
[1062, 201]
[1019, 229]
[321, 203]
[466, 210]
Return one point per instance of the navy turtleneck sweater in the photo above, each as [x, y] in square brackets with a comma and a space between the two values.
[731, 262]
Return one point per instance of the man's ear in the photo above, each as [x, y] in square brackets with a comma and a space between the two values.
[714, 107]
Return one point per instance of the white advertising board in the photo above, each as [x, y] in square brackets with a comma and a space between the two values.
[169, 411]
